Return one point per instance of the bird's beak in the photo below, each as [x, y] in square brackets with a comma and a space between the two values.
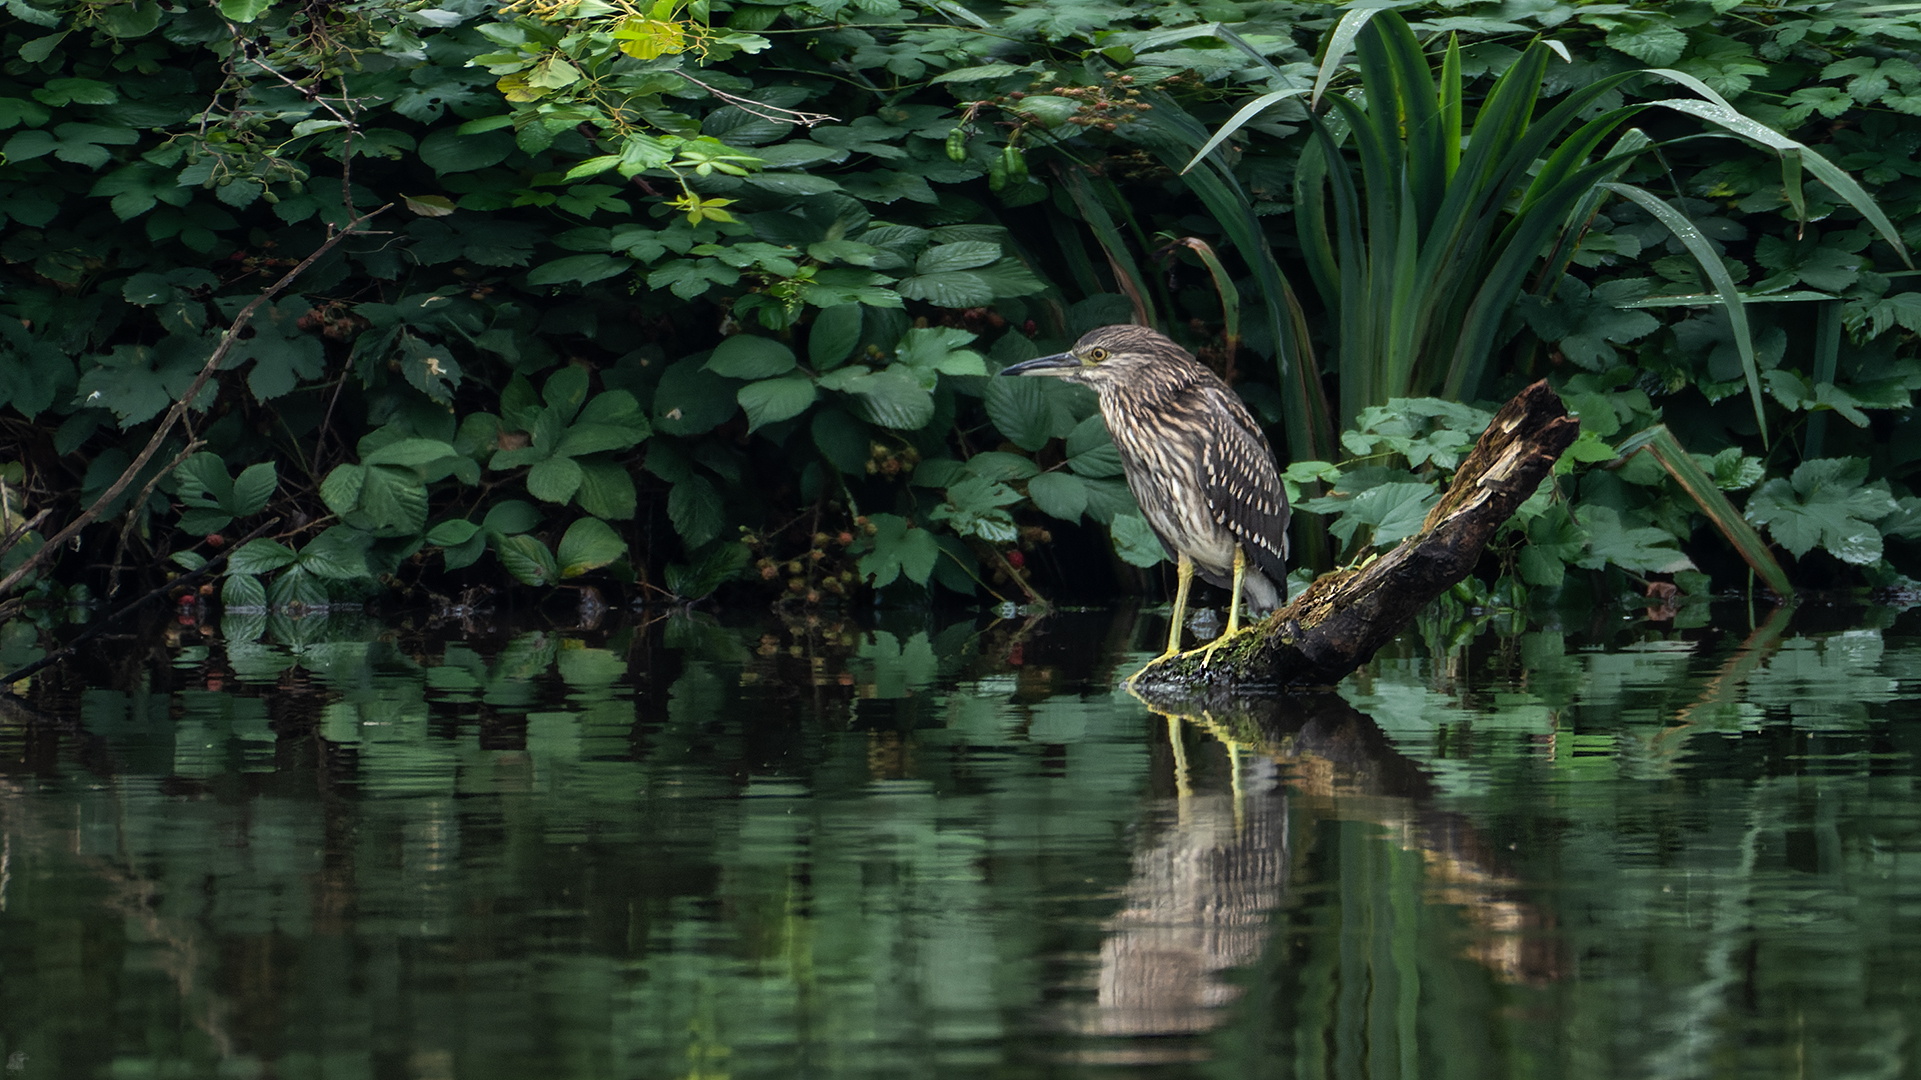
[1057, 364]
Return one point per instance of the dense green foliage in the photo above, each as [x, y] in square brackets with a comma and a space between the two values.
[651, 282]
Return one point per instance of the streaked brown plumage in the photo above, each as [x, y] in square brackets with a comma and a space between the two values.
[1197, 462]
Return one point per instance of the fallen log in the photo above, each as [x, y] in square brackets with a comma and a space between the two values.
[1340, 621]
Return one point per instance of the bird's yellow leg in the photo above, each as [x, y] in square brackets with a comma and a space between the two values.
[1233, 608]
[1184, 572]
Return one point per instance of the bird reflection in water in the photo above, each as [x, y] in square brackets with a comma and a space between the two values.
[1216, 859]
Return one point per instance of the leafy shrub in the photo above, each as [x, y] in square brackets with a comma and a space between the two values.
[654, 281]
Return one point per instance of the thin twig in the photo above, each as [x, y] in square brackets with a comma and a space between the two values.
[181, 406]
[108, 620]
[252, 56]
[140, 500]
[761, 109]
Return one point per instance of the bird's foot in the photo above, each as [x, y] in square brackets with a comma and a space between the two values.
[1207, 652]
[1168, 655]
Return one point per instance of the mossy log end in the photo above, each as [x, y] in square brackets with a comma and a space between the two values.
[1345, 617]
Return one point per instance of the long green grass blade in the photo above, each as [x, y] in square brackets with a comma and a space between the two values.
[1693, 84]
[1127, 273]
[1390, 45]
[1224, 285]
[1791, 186]
[1339, 44]
[1498, 281]
[1700, 487]
[1824, 170]
[1149, 42]
[1626, 148]
[1451, 103]
[1240, 118]
[1717, 273]
[1310, 214]
[1827, 357]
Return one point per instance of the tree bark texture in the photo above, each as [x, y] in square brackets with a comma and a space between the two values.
[1345, 617]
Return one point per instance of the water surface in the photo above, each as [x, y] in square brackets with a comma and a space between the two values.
[336, 848]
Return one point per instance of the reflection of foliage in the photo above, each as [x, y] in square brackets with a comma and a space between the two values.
[710, 850]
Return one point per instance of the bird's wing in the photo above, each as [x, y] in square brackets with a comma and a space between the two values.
[1244, 490]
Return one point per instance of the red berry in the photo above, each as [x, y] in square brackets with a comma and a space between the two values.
[1016, 560]
[216, 540]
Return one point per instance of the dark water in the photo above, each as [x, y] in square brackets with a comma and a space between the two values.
[332, 848]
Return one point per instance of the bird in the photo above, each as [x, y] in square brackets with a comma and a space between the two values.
[1198, 464]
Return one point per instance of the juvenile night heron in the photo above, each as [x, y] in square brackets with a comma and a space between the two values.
[1197, 463]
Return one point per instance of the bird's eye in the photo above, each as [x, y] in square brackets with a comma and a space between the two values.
[1097, 355]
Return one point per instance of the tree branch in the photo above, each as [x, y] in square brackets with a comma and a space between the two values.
[180, 407]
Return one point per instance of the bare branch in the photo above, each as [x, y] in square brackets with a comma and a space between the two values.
[180, 407]
[765, 111]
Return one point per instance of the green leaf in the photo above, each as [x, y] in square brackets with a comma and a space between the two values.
[1583, 323]
[1615, 541]
[554, 480]
[1651, 41]
[412, 453]
[1554, 541]
[242, 592]
[747, 356]
[958, 289]
[565, 391]
[773, 400]
[1059, 494]
[465, 553]
[260, 557]
[1135, 542]
[511, 516]
[244, 11]
[722, 563]
[1393, 510]
[833, 336]
[1091, 451]
[451, 152]
[381, 499]
[452, 532]
[606, 488]
[1029, 411]
[976, 74]
[339, 553]
[579, 269]
[1826, 502]
[148, 289]
[892, 398]
[843, 440]
[588, 545]
[696, 511]
[204, 479]
[899, 549]
[253, 487]
[691, 400]
[991, 465]
[960, 255]
[527, 559]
